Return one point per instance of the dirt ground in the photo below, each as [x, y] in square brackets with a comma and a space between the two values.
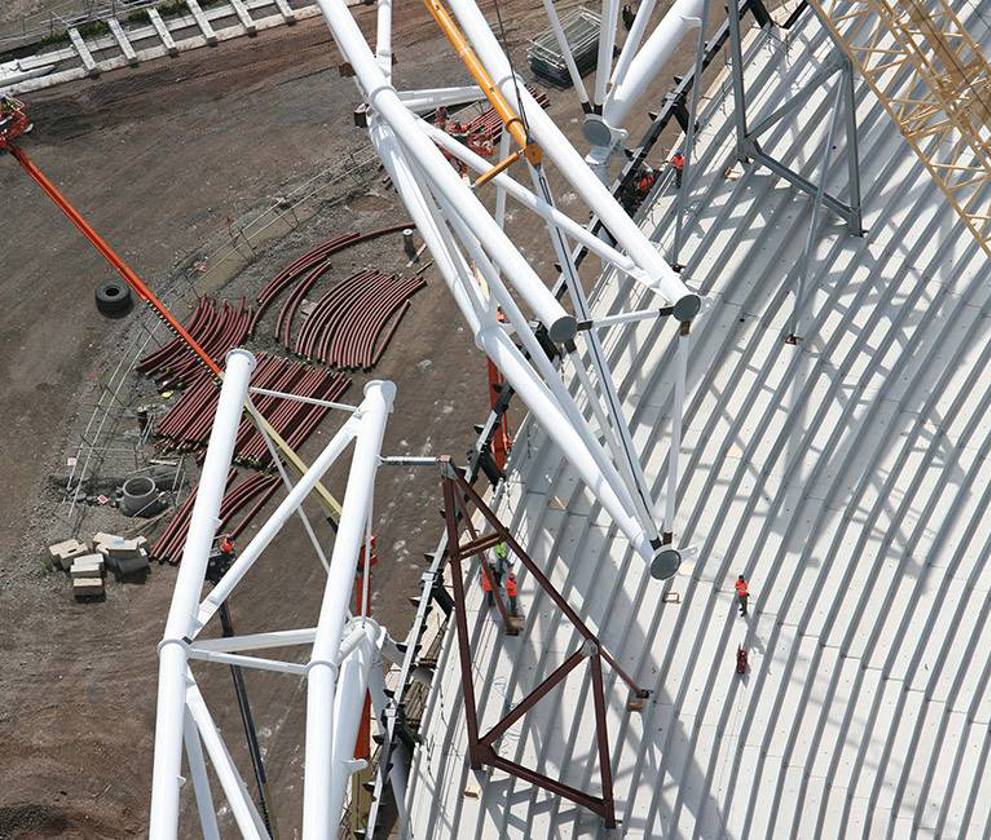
[159, 158]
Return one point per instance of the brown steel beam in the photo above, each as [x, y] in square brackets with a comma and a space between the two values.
[533, 697]
[593, 803]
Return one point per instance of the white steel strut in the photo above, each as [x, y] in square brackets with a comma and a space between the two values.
[345, 651]
[486, 271]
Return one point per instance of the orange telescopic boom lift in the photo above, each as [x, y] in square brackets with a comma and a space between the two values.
[13, 124]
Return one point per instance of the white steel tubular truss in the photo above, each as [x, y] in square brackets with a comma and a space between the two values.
[345, 651]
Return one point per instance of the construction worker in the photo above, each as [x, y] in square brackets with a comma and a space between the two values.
[645, 181]
[678, 164]
[743, 593]
[501, 561]
[628, 16]
[485, 576]
[440, 117]
[513, 592]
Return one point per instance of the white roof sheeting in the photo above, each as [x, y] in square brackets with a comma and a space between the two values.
[849, 479]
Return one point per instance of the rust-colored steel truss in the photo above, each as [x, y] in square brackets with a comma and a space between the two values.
[941, 105]
[458, 496]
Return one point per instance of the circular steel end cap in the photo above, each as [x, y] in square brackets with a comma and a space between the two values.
[563, 329]
[596, 132]
[688, 307]
[665, 564]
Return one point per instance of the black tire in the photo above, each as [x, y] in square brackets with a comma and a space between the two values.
[113, 299]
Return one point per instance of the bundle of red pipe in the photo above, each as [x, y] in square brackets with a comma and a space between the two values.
[217, 327]
[252, 493]
[187, 424]
[345, 324]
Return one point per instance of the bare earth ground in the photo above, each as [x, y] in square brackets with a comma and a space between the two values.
[159, 158]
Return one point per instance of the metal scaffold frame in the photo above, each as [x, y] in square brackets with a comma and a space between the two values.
[941, 106]
[458, 494]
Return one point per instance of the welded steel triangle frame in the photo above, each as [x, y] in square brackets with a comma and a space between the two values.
[748, 147]
[458, 493]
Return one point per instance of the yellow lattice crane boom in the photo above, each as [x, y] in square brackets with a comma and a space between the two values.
[933, 80]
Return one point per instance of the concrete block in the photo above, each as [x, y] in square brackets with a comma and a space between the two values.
[67, 551]
[287, 12]
[123, 41]
[128, 564]
[242, 15]
[85, 56]
[163, 32]
[87, 587]
[202, 22]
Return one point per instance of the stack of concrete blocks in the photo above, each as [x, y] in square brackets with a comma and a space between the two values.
[66, 551]
[87, 576]
[124, 557]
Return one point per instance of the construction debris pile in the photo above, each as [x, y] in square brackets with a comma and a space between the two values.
[251, 493]
[86, 562]
[186, 426]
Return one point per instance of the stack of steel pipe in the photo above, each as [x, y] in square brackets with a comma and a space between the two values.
[309, 268]
[489, 123]
[292, 272]
[252, 493]
[345, 324]
[187, 425]
[216, 327]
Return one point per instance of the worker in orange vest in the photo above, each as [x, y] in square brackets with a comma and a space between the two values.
[485, 574]
[743, 593]
[678, 164]
[513, 592]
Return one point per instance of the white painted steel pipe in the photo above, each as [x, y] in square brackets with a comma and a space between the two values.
[573, 168]
[383, 37]
[243, 661]
[319, 821]
[203, 523]
[259, 641]
[419, 100]
[349, 705]
[607, 42]
[538, 205]
[644, 67]
[498, 346]
[201, 781]
[383, 99]
[274, 523]
[249, 821]
[632, 42]
[565, 47]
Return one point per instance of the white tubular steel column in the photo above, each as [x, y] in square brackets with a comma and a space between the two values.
[319, 821]
[644, 67]
[382, 98]
[349, 704]
[662, 279]
[170, 713]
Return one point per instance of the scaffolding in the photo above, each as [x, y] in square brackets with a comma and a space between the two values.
[934, 82]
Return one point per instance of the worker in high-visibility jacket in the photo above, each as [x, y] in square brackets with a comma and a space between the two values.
[513, 592]
[485, 577]
[743, 593]
[501, 563]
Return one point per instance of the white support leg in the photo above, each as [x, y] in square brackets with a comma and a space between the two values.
[173, 654]
[201, 781]
[321, 683]
[607, 42]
